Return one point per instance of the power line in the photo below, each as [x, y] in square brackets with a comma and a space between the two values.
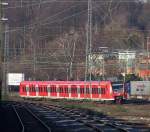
[68, 1]
[57, 21]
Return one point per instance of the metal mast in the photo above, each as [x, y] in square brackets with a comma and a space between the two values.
[5, 52]
[88, 66]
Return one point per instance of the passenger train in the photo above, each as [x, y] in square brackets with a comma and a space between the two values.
[94, 90]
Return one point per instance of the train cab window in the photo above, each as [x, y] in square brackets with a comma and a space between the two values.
[117, 86]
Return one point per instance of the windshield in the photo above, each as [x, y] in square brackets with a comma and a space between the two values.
[117, 86]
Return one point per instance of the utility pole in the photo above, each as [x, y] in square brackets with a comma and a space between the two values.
[88, 66]
[148, 45]
[148, 55]
[5, 42]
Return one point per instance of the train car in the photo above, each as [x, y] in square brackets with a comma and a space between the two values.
[95, 90]
[140, 89]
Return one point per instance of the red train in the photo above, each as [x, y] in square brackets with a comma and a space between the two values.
[95, 90]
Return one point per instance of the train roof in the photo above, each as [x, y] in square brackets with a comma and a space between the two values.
[64, 82]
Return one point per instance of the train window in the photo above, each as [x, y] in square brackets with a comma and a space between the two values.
[99, 90]
[30, 89]
[94, 90]
[78, 89]
[103, 91]
[36, 88]
[74, 90]
[24, 89]
[142, 89]
[66, 90]
[59, 89]
[87, 90]
[48, 89]
[45, 89]
[53, 89]
[117, 86]
[27, 88]
[40, 89]
[81, 90]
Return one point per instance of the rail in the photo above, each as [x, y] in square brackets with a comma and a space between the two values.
[85, 120]
[32, 114]
[49, 129]
[18, 118]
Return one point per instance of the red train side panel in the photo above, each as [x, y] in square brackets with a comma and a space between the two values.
[71, 89]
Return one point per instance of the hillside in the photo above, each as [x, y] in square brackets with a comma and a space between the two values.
[51, 35]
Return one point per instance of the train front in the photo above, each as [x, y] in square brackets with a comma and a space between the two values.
[118, 92]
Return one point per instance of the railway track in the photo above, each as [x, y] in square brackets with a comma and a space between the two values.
[53, 118]
[8, 119]
[28, 120]
[71, 120]
[99, 123]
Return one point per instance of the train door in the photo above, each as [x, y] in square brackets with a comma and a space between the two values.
[32, 90]
[66, 91]
[53, 91]
[45, 91]
[87, 91]
[40, 90]
[61, 91]
[103, 91]
[81, 91]
[74, 93]
[22, 90]
[95, 91]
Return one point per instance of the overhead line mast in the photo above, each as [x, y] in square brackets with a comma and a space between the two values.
[88, 67]
[5, 41]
